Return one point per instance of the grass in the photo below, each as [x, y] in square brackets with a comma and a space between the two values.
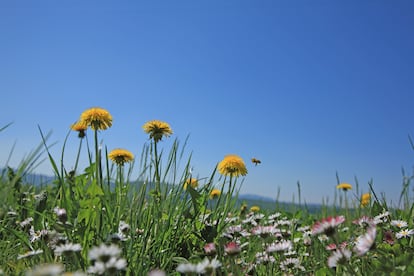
[98, 221]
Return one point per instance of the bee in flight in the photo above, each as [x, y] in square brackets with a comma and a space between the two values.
[256, 161]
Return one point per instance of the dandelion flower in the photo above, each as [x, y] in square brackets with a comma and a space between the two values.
[96, 118]
[215, 193]
[365, 242]
[193, 182]
[365, 199]
[327, 226]
[405, 233]
[255, 209]
[121, 156]
[80, 128]
[157, 129]
[232, 165]
[344, 186]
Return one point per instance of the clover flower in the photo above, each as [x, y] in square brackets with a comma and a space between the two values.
[96, 118]
[121, 156]
[157, 129]
[232, 165]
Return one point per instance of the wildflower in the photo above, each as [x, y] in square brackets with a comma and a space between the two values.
[157, 272]
[232, 165]
[193, 182]
[124, 227]
[215, 193]
[26, 224]
[383, 217]
[265, 231]
[279, 246]
[210, 249]
[207, 266]
[255, 209]
[46, 269]
[29, 254]
[61, 214]
[114, 265]
[344, 186]
[399, 223]
[389, 237]
[121, 156]
[80, 128]
[366, 242]
[67, 248]
[264, 258]
[157, 129]
[291, 263]
[365, 198]
[96, 118]
[364, 221]
[186, 268]
[327, 226]
[339, 257]
[232, 248]
[104, 252]
[404, 233]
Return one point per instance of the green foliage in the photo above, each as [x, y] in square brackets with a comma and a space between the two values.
[157, 224]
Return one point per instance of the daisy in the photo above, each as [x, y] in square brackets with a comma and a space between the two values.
[29, 254]
[104, 252]
[365, 242]
[399, 223]
[327, 226]
[339, 257]
[67, 248]
[405, 233]
[210, 249]
[383, 217]
[232, 248]
[264, 258]
[46, 269]
[291, 263]
[279, 246]
[207, 266]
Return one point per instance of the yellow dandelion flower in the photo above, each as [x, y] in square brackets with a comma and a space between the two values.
[344, 186]
[365, 199]
[255, 208]
[215, 193]
[157, 129]
[121, 156]
[232, 165]
[192, 182]
[96, 118]
[80, 128]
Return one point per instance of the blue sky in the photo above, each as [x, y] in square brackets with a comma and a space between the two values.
[311, 88]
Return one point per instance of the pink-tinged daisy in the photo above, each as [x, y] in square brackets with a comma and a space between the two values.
[210, 249]
[291, 264]
[279, 246]
[327, 226]
[339, 257]
[365, 242]
[232, 248]
[265, 231]
[364, 221]
[264, 258]
[399, 223]
[405, 233]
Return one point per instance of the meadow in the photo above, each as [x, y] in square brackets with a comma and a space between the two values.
[98, 221]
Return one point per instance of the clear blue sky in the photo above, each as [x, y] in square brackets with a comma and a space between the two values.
[311, 88]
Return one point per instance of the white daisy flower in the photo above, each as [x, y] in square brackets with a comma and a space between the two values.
[404, 233]
[67, 248]
[279, 246]
[104, 252]
[365, 242]
[339, 257]
[399, 223]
